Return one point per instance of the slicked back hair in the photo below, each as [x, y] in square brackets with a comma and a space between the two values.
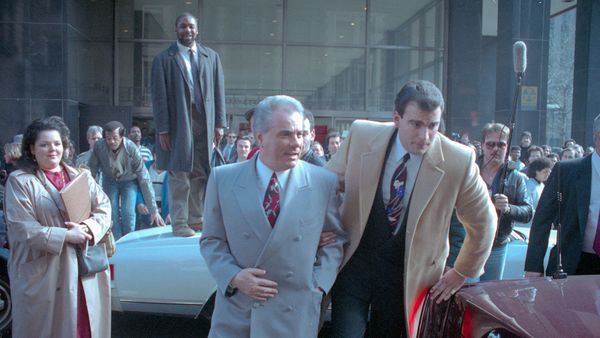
[264, 111]
[424, 93]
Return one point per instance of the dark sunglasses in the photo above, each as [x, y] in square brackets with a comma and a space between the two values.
[492, 144]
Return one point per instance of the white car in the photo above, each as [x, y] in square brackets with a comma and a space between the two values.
[517, 250]
[155, 272]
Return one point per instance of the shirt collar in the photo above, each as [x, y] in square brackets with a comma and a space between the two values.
[401, 151]
[265, 173]
[184, 49]
[596, 162]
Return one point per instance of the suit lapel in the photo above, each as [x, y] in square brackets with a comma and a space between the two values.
[249, 200]
[372, 163]
[428, 179]
[53, 193]
[202, 54]
[296, 193]
[583, 186]
[174, 53]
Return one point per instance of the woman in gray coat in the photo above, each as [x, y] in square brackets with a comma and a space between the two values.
[50, 299]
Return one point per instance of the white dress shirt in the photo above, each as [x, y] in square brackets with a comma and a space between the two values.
[594, 208]
[183, 52]
[412, 169]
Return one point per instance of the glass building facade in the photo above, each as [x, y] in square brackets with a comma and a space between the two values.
[343, 59]
[89, 61]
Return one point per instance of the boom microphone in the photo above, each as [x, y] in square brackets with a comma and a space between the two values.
[520, 57]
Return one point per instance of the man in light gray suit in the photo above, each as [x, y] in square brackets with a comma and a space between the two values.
[188, 101]
[271, 273]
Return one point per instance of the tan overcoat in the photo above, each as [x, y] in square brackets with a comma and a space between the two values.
[43, 266]
[447, 178]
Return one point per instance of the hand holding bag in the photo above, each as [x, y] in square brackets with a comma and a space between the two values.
[91, 259]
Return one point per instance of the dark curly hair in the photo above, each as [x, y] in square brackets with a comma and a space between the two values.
[538, 164]
[32, 133]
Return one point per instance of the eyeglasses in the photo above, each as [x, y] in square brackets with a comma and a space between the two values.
[492, 144]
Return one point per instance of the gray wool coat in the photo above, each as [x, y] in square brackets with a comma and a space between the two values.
[172, 104]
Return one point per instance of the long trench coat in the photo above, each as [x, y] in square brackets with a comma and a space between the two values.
[43, 266]
[172, 105]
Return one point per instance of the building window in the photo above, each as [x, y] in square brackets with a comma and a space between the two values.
[343, 59]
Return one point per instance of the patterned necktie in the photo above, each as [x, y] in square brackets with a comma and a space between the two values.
[271, 200]
[397, 190]
[597, 239]
[195, 78]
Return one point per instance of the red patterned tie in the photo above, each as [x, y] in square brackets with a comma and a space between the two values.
[271, 200]
[597, 239]
[397, 189]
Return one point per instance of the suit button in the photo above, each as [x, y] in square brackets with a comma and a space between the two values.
[298, 238]
[246, 235]
[289, 308]
[289, 274]
[256, 305]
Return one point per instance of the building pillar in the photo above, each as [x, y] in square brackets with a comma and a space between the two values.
[527, 21]
[586, 87]
[463, 89]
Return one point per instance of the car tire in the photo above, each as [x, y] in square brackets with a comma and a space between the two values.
[208, 308]
[6, 310]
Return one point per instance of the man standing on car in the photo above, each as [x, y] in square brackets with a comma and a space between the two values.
[578, 181]
[402, 182]
[270, 271]
[188, 100]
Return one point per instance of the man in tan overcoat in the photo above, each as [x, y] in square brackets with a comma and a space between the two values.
[402, 181]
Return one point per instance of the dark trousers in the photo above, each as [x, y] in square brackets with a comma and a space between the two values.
[368, 291]
[589, 264]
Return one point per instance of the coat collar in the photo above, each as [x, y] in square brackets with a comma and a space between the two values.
[372, 161]
[583, 186]
[428, 179]
[249, 200]
[296, 193]
[51, 189]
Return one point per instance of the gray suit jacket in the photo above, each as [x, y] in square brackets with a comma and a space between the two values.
[172, 104]
[237, 235]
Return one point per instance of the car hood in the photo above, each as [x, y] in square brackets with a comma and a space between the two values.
[535, 307]
[156, 236]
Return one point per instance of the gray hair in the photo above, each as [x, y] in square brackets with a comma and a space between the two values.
[93, 130]
[597, 124]
[264, 110]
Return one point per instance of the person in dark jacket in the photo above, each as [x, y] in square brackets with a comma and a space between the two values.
[512, 204]
[308, 132]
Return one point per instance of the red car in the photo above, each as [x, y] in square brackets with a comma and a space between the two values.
[535, 307]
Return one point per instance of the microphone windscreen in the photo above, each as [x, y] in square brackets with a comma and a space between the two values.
[520, 57]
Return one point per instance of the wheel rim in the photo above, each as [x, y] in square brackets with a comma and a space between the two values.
[5, 312]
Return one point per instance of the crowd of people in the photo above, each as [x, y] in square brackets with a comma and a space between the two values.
[371, 223]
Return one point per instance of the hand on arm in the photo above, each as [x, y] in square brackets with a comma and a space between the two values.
[450, 282]
[77, 233]
[249, 282]
[327, 237]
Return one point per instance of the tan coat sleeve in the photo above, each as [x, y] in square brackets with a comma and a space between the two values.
[476, 212]
[21, 201]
